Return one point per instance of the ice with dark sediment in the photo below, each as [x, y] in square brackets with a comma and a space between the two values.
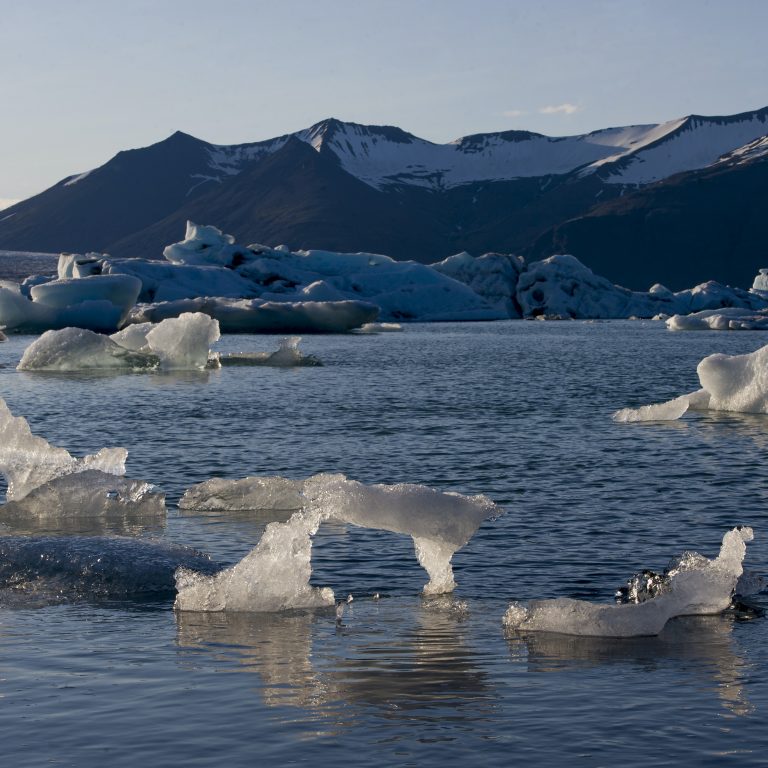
[88, 567]
[287, 355]
[736, 383]
[45, 480]
[696, 585]
[181, 343]
[275, 575]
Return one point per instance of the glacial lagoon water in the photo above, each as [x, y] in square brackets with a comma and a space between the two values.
[519, 411]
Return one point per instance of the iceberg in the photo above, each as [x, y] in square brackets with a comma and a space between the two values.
[275, 575]
[288, 355]
[99, 303]
[181, 343]
[697, 586]
[259, 316]
[737, 383]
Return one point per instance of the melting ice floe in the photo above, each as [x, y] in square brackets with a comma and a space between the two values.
[696, 586]
[736, 383]
[725, 319]
[276, 573]
[288, 355]
[178, 343]
[46, 480]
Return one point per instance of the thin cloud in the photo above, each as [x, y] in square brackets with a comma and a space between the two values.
[514, 112]
[560, 109]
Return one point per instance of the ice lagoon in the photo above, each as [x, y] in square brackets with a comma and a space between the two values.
[517, 411]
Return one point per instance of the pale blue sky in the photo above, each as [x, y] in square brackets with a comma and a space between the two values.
[82, 79]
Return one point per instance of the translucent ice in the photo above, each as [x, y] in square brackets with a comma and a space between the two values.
[272, 577]
[183, 342]
[276, 574]
[89, 493]
[696, 586]
[178, 343]
[77, 349]
[27, 461]
[276, 493]
[287, 355]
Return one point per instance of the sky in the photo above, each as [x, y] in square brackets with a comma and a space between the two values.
[82, 79]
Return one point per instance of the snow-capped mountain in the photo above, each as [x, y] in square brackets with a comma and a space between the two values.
[346, 186]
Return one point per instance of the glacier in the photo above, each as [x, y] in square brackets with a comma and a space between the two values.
[703, 586]
[275, 574]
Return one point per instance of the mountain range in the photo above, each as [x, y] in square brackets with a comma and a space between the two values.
[678, 202]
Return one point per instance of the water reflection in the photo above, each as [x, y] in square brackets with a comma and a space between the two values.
[701, 646]
[405, 659]
[126, 524]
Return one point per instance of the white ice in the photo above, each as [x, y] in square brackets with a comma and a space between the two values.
[737, 383]
[669, 411]
[726, 319]
[705, 588]
[276, 573]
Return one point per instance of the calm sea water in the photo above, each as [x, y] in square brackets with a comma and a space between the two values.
[517, 410]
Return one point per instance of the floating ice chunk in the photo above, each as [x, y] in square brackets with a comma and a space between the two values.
[88, 567]
[133, 337]
[184, 342]
[287, 355]
[696, 586]
[273, 576]
[27, 462]
[89, 493]
[178, 343]
[726, 319]
[380, 328]
[258, 316]
[439, 524]
[736, 382]
[77, 349]
[669, 411]
[274, 493]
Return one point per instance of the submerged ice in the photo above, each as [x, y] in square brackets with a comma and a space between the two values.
[695, 585]
[276, 573]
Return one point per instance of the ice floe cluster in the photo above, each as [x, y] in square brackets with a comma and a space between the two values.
[737, 383]
[45, 481]
[178, 343]
[256, 288]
